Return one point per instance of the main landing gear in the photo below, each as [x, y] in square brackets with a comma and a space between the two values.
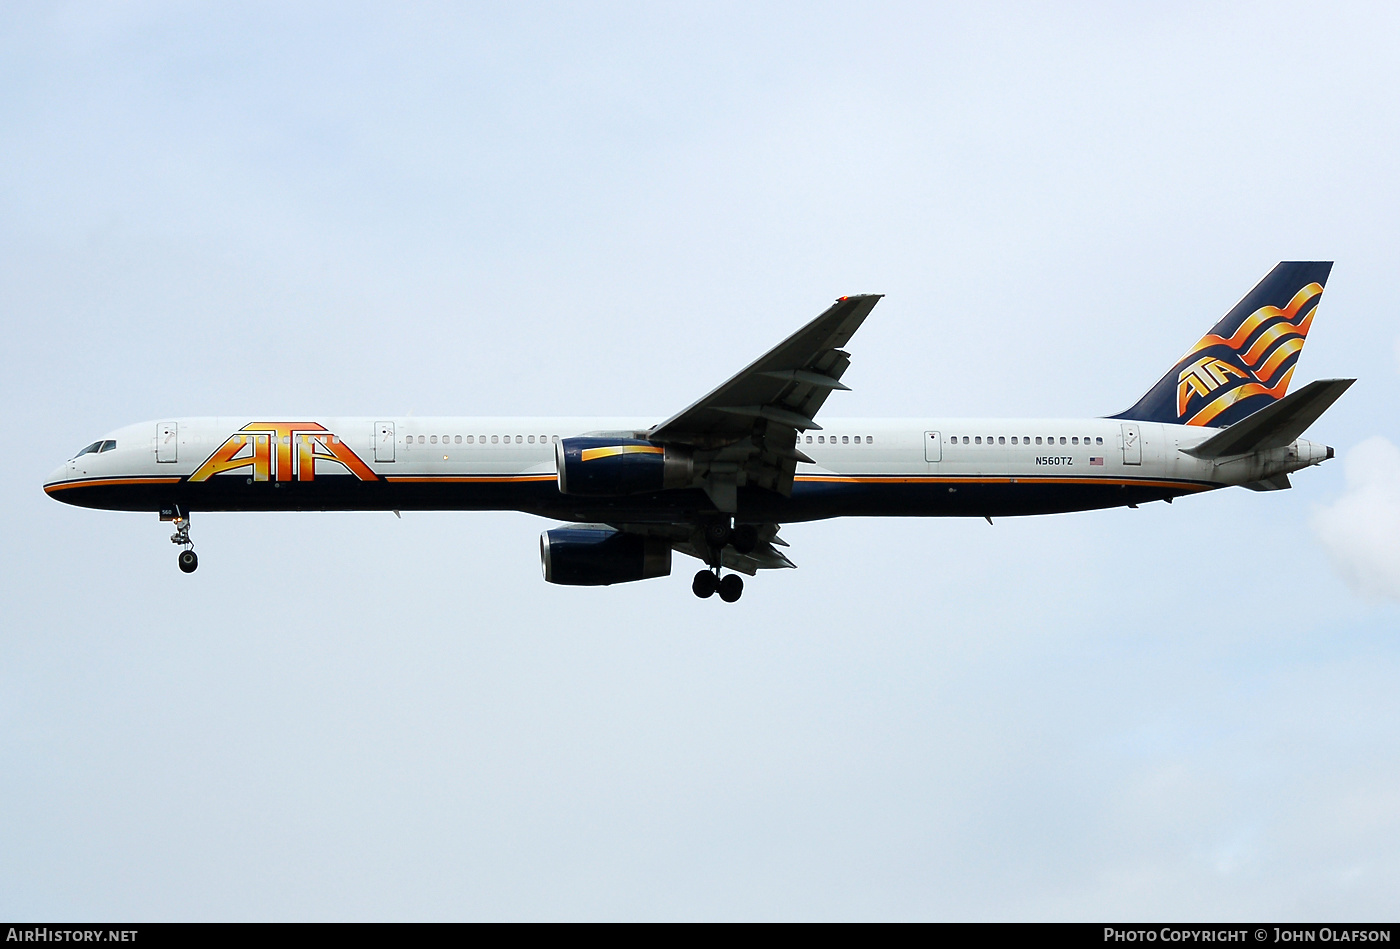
[188, 559]
[744, 539]
[708, 582]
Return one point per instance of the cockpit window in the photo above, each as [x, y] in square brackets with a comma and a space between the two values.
[108, 445]
[94, 447]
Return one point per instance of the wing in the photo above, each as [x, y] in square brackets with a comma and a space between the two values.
[745, 432]
[689, 539]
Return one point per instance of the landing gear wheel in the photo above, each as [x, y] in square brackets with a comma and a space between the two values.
[717, 536]
[705, 584]
[731, 588]
[188, 561]
[745, 538]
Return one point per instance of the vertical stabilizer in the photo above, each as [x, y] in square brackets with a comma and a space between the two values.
[1246, 361]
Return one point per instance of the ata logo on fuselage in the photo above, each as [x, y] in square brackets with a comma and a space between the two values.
[282, 451]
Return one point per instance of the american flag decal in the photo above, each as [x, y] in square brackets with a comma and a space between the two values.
[1096, 460]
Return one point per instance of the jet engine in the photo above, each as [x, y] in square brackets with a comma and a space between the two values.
[594, 466]
[598, 556]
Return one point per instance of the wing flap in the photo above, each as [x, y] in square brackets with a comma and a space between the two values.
[745, 431]
[791, 381]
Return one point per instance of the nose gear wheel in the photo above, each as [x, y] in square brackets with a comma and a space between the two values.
[188, 559]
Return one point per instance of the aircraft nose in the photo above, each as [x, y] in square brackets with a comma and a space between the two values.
[61, 473]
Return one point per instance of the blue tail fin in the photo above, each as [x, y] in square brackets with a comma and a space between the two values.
[1246, 361]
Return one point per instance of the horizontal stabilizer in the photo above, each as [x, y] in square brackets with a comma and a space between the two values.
[1277, 425]
[1276, 483]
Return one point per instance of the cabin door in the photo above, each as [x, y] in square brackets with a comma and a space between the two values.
[168, 441]
[933, 446]
[1132, 444]
[383, 441]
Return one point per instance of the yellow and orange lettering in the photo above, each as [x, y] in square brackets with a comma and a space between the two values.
[302, 442]
[239, 452]
[1219, 370]
[319, 445]
[1191, 380]
[281, 433]
[341, 452]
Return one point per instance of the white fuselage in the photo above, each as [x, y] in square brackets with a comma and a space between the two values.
[468, 462]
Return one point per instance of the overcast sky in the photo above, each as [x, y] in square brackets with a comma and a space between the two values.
[1177, 712]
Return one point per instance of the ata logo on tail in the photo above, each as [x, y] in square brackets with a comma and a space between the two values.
[282, 451]
[1249, 372]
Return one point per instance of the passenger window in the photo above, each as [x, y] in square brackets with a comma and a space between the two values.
[966, 440]
[422, 439]
[809, 439]
[520, 439]
[845, 439]
[1037, 439]
[1001, 439]
[457, 439]
[433, 440]
[1098, 441]
[532, 439]
[1074, 440]
[495, 439]
[978, 440]
[1062, 439]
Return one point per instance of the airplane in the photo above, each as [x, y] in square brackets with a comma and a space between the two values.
[716, 480]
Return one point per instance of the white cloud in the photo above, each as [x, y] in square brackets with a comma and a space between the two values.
[1362, 529]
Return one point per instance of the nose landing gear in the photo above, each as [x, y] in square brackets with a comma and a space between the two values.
[188, 560]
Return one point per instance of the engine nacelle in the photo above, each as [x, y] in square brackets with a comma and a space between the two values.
[598, 556]
[593, 466]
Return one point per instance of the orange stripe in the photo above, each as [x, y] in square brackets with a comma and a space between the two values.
[1286, 349]
[1189, 485]
[1258, 318]
[1223, 402]
[95, 482]
[1274, 333]
[588, 454]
